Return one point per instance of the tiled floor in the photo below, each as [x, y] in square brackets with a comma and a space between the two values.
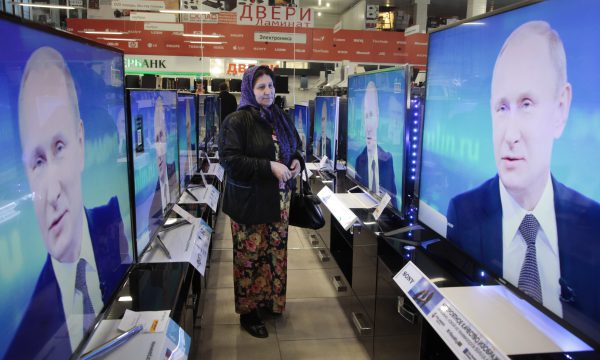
[314, 325]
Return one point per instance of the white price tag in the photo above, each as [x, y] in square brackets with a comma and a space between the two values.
[217, 170]
[204, 230]
[381, 206]
[220, 172]
[323, 162]
[336, 207]
[211, 197]
[184, 214]
[202, 243]
[304, 175]
[152, 321]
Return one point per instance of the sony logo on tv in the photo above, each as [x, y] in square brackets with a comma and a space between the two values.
[145, 63]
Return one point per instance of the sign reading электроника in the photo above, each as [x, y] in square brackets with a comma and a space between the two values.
[280, 37]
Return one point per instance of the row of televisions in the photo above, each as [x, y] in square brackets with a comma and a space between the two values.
[150, 81]
[510, 128]
[90, 172]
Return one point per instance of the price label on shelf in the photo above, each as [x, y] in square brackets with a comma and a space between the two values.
[336, 207]
[217, 170]
[381, 206]
[323, 162]
[462, 337]
[211, 197]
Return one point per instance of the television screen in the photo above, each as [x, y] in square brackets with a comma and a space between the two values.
[281, 84]
[201, 124]
[215, 83]
[211, 114]
[325, 128]
[65, 216]
[132, 81]
[510, 143]
[301, 121]
[149, 81]
[155, 167]
[183, 83]
[235, 85]
[376, 113]
[186, 119]
[168, 83]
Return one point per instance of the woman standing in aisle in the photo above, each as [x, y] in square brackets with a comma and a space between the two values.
[259, 147]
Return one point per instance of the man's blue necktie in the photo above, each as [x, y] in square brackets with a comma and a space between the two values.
[529, 278]
[81, 285]
[373, 185]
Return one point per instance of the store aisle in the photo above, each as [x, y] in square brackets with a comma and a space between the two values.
[314, 325]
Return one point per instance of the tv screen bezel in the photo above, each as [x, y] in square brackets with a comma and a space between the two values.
[467, 258]
[69, 36]
[169, 207]
[401, 195]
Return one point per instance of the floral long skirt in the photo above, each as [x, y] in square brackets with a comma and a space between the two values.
[260, 262]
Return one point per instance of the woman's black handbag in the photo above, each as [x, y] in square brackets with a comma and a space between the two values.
[305, 211]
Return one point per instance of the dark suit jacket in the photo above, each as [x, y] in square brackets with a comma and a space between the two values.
[228, 104]
[476, 217]
[42, 332]
[387, 179]
[327, 147]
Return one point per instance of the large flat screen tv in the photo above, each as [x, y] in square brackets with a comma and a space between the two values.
[510, 145]
[65, 214]
[155, 164]
[186, 119]
[302, 125]
[325, 128]
[376, 116]
[211, 117]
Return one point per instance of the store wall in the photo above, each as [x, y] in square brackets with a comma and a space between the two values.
[354, 18]
[326, 21]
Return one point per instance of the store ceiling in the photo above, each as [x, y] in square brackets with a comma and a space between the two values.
[437, 8]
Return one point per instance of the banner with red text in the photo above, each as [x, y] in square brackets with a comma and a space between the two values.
[262, 42]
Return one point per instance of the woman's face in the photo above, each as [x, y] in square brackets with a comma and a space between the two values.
[264, 90]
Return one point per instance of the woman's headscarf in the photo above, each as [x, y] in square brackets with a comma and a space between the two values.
[273, 115]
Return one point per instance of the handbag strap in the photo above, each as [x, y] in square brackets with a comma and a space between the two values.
[303, 169]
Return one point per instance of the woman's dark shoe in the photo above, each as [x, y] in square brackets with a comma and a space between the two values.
[253, 324]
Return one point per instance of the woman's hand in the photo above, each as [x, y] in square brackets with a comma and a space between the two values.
[281, 172]
[295, 168]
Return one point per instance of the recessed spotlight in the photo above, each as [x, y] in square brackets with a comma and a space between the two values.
[319, 13]
[327, 4]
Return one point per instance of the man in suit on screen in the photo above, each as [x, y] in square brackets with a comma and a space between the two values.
[375, 166]
[523, 223]
[324, 143]
[86, 247]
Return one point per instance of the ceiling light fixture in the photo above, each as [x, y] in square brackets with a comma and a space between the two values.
[319, 13]
[104, 32]
[207, 42]
[48, 6]
[117, 39]
[185, 12]
[320, 2]
[242, 61]
[327, 4]
[204, 35]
